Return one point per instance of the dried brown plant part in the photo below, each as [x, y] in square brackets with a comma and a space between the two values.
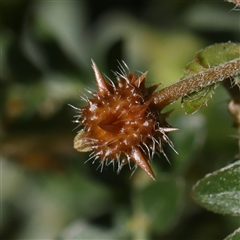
[119, 124]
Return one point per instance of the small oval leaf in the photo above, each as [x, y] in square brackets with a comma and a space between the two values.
[217, 54]
[192, 68]
[212, 56]
[194, 101]
[220, 191]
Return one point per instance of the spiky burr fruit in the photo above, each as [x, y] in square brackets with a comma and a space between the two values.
[119, 123]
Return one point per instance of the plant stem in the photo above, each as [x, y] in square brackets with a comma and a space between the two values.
[195, 82]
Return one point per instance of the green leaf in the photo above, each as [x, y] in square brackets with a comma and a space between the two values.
[234, 236]
[194, 101]
[211, 56]
[218, 54]
[192, 68]
[220, 191]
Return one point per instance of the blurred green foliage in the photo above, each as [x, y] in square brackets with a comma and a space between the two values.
[47, 192]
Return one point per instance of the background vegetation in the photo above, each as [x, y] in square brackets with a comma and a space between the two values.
[47, 192]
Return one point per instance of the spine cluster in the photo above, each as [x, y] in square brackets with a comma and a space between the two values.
[120, 124]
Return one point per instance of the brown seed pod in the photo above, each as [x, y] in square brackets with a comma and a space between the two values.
[119, 124]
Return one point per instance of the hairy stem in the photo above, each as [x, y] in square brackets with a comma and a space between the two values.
[195, 82]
